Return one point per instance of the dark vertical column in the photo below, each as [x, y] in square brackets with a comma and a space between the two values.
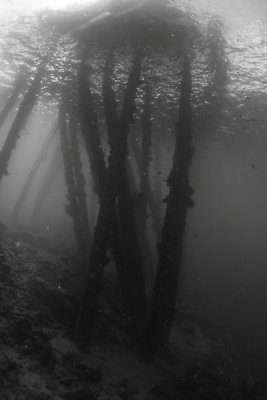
[115, 191]
[20, 120]
[80, 185]
[73, 208]
[172, 235]
[12, 98]
[89, 129]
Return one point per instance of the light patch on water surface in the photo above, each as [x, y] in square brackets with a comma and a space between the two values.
[247, 54]
[23, 7]
[234, 13]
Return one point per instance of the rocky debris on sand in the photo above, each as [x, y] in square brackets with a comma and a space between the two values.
[9, 370]
[80, 370]
[34, 366]
[80, 394]
[126, 390]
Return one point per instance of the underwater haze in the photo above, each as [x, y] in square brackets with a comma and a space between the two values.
[133, 139]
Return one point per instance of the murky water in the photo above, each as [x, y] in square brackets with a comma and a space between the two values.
[225, 254]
